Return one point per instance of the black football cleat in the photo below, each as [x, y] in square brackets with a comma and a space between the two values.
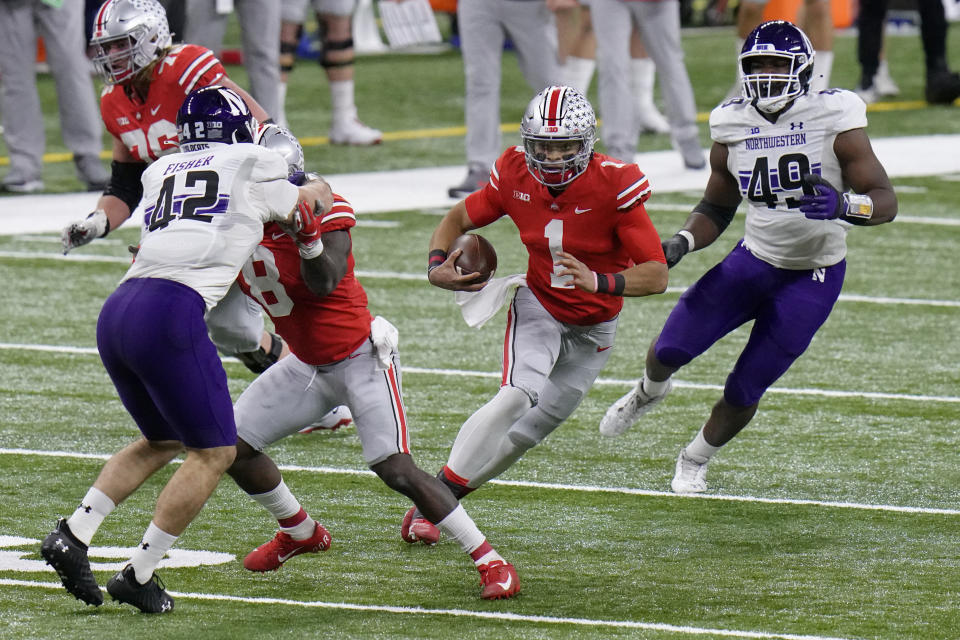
[68, 557]
[943, 87]
[149, 598]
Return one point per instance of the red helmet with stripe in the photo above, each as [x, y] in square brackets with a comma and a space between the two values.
[128, 36]
[559, 129]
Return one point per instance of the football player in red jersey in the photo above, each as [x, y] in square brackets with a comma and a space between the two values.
[147, 79]
[340, 355]
[590, 242]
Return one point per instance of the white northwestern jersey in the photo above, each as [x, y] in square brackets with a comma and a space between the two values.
[203, 214]
[768, 159]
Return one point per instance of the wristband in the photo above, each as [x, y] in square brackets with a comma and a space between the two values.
[858, 208]
[437, 258]
[611, 283]
[689, 236]
[106, 221]
[309, 252]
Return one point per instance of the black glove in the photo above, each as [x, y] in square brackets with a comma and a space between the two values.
[675, 248]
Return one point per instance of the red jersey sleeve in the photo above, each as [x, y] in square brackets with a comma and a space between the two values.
[340, 216]
[487, 204]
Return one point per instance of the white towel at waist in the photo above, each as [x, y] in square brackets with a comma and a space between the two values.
[479, 306]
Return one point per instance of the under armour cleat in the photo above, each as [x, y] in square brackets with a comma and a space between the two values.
[690, 476]
[339, 417]
[271, 555]
[499, 580]
[355, 133]
[418, 529]
[149, 598]
[623, 413]
[68, 557]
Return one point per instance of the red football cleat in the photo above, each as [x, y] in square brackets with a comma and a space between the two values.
[271, 555]
[418, 529]
[499, 580]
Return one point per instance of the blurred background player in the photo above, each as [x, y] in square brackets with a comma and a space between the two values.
[60, 24]
[334, 19]
[206, 24]
[658, 22]
[577, 47]
[339, 354]
[147, 78]
[484, 27]
[817, 22]
[218, 191]
[590, 243]
[942, 85]
[786, 273]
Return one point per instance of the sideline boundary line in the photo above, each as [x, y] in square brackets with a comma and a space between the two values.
[560, 487]
[462, 613]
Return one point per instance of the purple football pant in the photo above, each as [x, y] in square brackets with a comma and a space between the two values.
[154, 344]
[787, 306]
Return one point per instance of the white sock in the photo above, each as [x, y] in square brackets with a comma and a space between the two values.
[283, 505]
[642, 74]
[148, 555]
[822, 66]
[577, 73]
[341, 100]
[652, 388]
[85, 521]
[699, 450]
[460, 526]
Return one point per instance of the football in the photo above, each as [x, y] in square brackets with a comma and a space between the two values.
[478, 256]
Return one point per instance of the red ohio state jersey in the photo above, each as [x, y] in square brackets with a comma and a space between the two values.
[318, 330]
[599, 219]
[149, 129]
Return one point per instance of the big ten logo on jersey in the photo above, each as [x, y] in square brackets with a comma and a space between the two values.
[520, 195]
[117, 557]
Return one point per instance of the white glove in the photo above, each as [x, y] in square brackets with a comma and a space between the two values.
[386, 341]
[77, 234]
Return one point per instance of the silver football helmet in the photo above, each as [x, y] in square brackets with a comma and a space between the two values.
[281, 140]
[128, 36]
[559, 129]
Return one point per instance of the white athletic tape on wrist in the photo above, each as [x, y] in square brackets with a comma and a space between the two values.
[689, 236]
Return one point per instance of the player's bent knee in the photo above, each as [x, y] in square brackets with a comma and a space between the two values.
[740, 394]
[672, 356]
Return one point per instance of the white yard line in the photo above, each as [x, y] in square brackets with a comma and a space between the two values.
[461, 613]
[554, 486]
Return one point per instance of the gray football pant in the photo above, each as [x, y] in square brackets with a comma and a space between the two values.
[659, 26]
[63, 37]
[260, 36]
[484, 24]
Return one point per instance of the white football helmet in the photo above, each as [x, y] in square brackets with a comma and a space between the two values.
[128, 36]
[275, 137]
[559, 129]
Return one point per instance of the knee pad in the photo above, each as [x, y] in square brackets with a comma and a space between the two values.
[336, 45]
[288, 56]
[259, 361]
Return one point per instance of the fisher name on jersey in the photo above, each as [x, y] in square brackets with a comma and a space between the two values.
[149, 128]
[768, 160]
[203, 214]
[318, 330]
[599, 218]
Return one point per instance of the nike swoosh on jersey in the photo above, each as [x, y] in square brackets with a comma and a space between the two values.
[153, 111]
[505, 585]
[277, 236]
[578, 210]
[599, 349]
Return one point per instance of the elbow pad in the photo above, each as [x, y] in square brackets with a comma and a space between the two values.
[721, 216]
[125, 182]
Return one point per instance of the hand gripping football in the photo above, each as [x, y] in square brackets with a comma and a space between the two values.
[478, 256]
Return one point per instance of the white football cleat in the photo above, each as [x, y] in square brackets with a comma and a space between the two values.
[651, 120]
[883, 82]
[339, 417]
[353, 132]
[690, 476]
[623, 413]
